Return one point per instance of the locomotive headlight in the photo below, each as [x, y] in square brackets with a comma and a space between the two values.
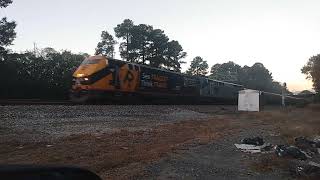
[83, 80]
[80, 75]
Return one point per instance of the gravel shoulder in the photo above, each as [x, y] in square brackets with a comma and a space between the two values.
[48, 122]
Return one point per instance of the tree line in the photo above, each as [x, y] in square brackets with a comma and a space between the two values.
[255, 77]
[46, 74]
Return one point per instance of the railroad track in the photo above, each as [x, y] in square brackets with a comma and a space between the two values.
[66, 102]
[33, 101]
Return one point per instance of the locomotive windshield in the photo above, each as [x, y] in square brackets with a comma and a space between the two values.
[90, 61]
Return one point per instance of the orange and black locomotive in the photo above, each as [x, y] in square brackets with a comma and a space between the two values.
[99, 77]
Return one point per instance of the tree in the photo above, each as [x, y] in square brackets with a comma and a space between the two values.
[229, 71]
[140, 42]
[7, 33]
[45, 75]
[146, 45]
[106, 46]
[173, 55]
[198, 67]
[258, 77]
[45, 52]
[254, 77]
[124, 31]
[158, 45]
[5, 3]
[312, 71]
[305, 93]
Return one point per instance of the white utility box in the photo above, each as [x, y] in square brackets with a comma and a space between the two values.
[249, 100]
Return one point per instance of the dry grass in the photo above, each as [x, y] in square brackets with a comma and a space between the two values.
[290, 123]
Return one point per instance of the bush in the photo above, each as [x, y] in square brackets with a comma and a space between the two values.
[47, 75]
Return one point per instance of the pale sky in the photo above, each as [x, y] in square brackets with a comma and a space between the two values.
[281, 34]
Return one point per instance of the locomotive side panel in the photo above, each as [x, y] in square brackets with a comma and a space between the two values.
[159, 82]
[191, 86]
[218, 90]
[125, 76]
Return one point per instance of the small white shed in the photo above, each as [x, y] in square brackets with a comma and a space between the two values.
[249, 100]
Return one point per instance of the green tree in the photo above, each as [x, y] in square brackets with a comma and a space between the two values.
[173, 55]
[146, 45]
[106, 45]
[198, 67]
[254, 77]
[306, 93]
[312, 71]
[158, 46]
[229, 71]
[258, 77]
[124, 31]
[277, 88]
[5, 3]
[46, 75]
[7, 33]
[140, 42]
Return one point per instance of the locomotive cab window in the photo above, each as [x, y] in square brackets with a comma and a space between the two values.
[90, 61]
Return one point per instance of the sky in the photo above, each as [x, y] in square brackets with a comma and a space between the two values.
[281, 34]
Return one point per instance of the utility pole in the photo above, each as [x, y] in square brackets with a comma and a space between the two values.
[284, 88]
[34, 48]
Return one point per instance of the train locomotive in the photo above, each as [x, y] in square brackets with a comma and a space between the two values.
[102, 78]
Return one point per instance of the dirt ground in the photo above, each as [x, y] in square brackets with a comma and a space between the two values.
[200, 145]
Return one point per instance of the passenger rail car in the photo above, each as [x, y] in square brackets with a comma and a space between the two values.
[99, 77]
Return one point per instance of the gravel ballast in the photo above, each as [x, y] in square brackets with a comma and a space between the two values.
[45, 122]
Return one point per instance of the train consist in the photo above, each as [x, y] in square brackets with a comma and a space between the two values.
[101, 78]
